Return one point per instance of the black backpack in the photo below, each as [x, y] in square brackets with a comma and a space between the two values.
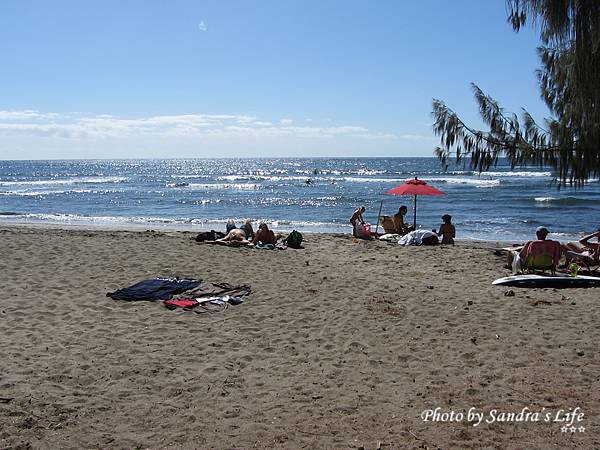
[294, 239]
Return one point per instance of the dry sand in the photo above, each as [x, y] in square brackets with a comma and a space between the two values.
[340, 345]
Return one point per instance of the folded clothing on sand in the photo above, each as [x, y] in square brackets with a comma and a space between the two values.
[181, 303]
[200, 298]
[217, 290]
[155, 289]
[191, 303]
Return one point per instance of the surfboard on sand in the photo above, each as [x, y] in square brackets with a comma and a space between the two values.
[560, 280]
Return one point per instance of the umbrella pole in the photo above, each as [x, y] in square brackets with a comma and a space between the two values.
[378, 216]
[415, 217]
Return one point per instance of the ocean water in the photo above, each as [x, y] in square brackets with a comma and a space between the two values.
[201, 194]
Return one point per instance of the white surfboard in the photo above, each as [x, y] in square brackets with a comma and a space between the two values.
[560, 280]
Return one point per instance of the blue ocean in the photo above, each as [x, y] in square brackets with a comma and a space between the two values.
[307, 194]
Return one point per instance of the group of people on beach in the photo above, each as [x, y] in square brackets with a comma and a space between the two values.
[446, 230]
[245, 235]
[584, 252]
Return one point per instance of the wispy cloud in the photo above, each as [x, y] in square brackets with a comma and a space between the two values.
[87, 126]
[202, 26]
[27, 114]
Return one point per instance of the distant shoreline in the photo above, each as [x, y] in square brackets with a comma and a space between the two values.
[133, 228]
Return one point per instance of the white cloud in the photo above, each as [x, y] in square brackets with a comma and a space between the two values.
[27, 114]
[202, 26]
[32, 134]
[87, 126]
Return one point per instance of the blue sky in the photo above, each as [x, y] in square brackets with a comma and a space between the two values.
[105, 79]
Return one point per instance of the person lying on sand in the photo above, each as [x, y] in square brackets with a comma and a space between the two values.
[264, 235]
[584, 250]
[235, 238]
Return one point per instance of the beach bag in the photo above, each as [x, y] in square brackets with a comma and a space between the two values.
[294, 240]
[367, 229]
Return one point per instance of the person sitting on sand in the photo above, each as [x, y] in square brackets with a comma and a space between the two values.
[447, 230]
[584, 250]
[357, 218]
[516, 258]
[399, 225]
[247, 227]
[264, 235]
[230, 226]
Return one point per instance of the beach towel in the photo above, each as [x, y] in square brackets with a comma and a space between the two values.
[154, 289]
[417, 237]
[261, 246]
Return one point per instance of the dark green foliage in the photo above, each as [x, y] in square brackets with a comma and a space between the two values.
[569, 79]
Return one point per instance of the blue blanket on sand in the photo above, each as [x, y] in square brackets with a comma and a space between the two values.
[154, 289]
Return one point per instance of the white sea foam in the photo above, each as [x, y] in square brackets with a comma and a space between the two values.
[38, 193]
[457, 180]
[222, 186]
[177, 222]
[185, 176]
[61, 181]
[433, 181]
[373, 180]
[261, 178]
[369, 172]
[522, 174]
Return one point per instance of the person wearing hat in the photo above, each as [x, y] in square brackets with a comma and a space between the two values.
[541, 233]
[447, 230]
[516, 258]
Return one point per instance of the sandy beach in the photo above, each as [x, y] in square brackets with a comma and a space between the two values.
[340, 345]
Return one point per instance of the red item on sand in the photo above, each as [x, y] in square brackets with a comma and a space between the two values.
[181, 303]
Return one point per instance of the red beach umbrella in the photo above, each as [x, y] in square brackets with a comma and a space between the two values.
[415, 187]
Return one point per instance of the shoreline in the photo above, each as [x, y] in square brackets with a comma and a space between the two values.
[167, 229]
[342, 344]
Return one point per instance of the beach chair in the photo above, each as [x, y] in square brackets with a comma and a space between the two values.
[387, 222]
[540, 256]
